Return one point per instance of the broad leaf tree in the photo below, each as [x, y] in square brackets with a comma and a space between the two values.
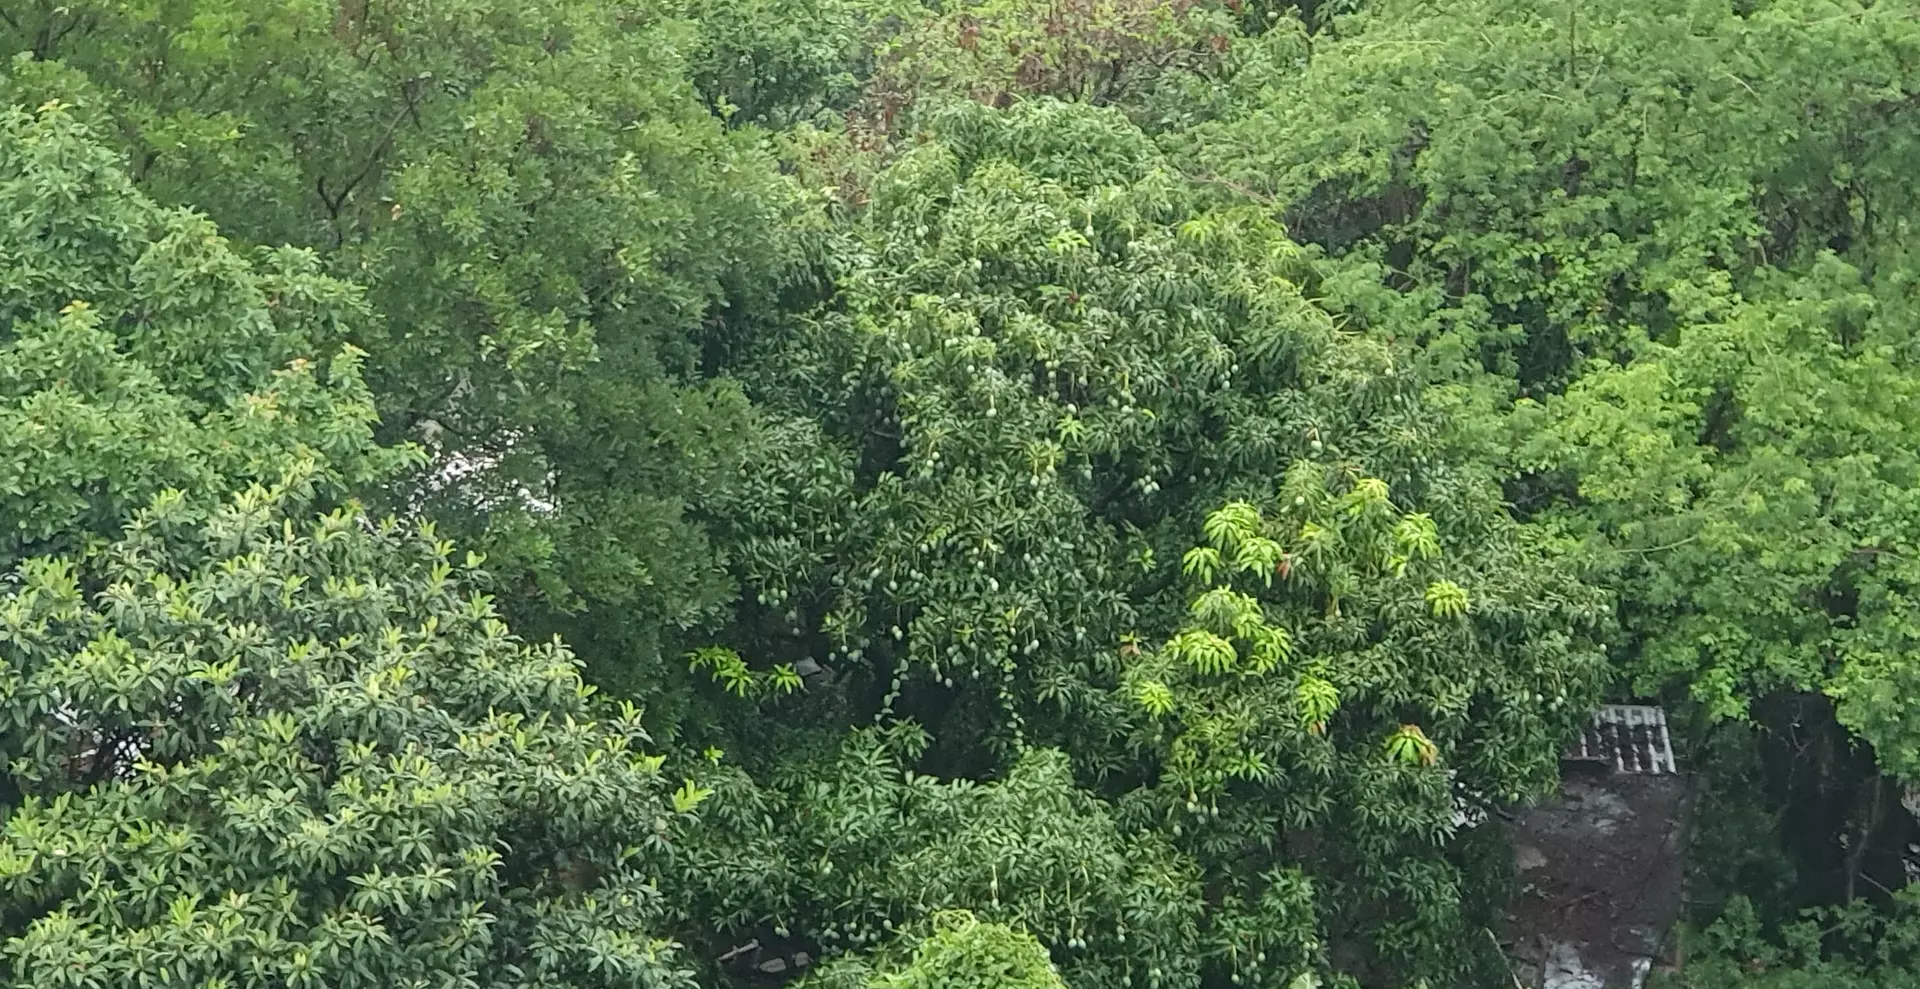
[245, 745]
[1351, 689]
[545, 219]
[961, 952]
[1655, 255]
[1048, 360]
[139, 351]
[1520, 188]
[249, 747]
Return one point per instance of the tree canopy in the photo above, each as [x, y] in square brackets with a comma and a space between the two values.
[1043, 493]
[141, 352]
[543, 217]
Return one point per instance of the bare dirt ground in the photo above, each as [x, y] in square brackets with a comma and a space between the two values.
[1600, 871]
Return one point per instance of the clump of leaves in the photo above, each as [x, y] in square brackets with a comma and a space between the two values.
[140, 351]
[1331, 660]
[964, 953]
[248, 745]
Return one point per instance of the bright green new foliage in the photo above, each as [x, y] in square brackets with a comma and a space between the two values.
[961, 952]
[1754, 482]
[1099, 493]
[1522, 187]
[1047, 363]
[965, 953]
[1668, 224]
[846, 846]
[1350, 685]
[1042, 365]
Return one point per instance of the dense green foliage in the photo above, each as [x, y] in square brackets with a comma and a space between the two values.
[541, 213]
[962, 952]
[1071, 493]
[269, 751]
[140, 352]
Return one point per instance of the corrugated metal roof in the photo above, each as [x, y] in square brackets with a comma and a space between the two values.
[1632, 738]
